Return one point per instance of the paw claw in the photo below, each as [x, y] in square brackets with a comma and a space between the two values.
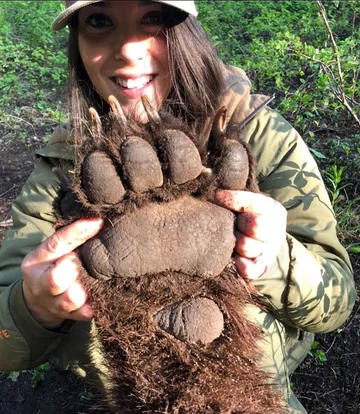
[150, 110]
[118, 113]
[219, 125]
[207, 171]
[96, 127]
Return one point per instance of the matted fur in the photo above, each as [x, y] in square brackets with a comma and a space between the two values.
[156, 373]
[152, 371]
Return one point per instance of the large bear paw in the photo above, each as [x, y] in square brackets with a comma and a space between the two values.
[167, 300]
[132, 167]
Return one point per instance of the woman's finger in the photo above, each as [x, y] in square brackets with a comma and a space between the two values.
[85, 313]
[71, 300]
[61, 243]
[245, 201]
[254, 225]
[250, 268]
[61, 275]
[247, 246]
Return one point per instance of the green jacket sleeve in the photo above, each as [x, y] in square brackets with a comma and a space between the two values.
[23, 342]
[311, 285]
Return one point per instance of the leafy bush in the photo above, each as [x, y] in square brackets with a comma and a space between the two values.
[286, 50]
[34, 67]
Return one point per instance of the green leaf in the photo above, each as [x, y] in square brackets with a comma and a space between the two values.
[314, 345]
[14, 376]
[354, 249]
[38, 374]
[37, 378]
[320, 355]
[317, 154]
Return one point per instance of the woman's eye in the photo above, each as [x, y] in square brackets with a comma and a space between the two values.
[98, 21]
[155, 18]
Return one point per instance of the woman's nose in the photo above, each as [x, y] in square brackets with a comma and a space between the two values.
[132, 50]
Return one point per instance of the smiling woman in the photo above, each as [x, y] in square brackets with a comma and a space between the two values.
[123, 48]
[183, 240]
[129, 48]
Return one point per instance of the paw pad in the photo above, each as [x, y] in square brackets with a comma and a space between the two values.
[193, 321]
[141, 165]
[100, 179]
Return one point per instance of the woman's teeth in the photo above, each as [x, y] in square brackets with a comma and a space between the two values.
[134, 83]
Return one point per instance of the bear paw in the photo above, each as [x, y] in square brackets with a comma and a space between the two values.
[155, 185]
[167, 300]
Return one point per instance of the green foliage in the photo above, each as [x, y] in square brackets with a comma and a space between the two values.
[317, 154]
[354, 249]
[285, 49]
[334, 176]
[317, 353]
[86, 395]
[34, 67]
[343, 188]
[13, 376]
[38, 374]
[348, 214]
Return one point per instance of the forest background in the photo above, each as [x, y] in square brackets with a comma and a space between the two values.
[307, 53]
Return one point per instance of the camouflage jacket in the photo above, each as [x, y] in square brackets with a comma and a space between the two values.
[309, 287]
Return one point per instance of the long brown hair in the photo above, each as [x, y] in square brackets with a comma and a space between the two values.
[196, 70]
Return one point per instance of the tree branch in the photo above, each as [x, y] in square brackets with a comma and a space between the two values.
[341, 97]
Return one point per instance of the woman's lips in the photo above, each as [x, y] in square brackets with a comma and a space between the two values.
[134, 88]
[134, 83]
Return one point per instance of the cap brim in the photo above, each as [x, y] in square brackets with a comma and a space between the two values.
[64, 17]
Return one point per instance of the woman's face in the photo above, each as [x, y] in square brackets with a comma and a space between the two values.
[124, 51]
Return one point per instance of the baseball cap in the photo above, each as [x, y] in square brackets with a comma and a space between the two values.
[72, 6]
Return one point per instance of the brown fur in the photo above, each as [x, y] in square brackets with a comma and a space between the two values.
[154, 372]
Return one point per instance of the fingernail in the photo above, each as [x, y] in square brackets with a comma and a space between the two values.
[219, 195]
[87, 311]
[222, 197]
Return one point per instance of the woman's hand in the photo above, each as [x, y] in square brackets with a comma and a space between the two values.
[51, 285]
[260, 230]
